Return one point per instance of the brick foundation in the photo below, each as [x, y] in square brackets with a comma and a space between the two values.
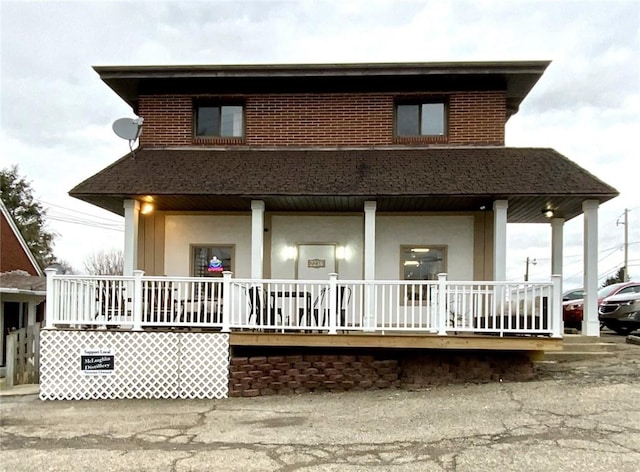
[290, 373]
[441, 368]
[283, 375]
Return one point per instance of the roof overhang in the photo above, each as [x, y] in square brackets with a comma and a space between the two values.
[517, 78]
[338, 181]
[18, 291]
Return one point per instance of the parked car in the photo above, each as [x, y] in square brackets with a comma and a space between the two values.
[575, 294]
[572, 310]
[621, 312]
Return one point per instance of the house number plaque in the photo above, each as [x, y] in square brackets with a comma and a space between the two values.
[316, 263]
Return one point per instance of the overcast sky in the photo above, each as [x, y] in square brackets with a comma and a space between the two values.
[57, 114]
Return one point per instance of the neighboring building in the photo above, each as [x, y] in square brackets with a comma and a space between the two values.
[22, 282]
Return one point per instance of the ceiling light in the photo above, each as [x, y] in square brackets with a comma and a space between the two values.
[548, 213]
[146, 208]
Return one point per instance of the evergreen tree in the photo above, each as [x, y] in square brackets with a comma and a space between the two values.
[615, 279]
[28, 214]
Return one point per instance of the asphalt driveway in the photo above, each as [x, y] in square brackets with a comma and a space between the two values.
[574, 416]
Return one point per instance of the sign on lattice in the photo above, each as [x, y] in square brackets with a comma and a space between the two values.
[139, 364]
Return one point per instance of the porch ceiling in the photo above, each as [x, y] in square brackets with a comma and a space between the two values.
[341, 180]
[521, 209]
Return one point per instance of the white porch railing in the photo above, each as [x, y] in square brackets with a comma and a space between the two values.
[440, 307]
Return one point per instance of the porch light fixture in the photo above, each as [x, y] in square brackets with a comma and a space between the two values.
[289, 253]
[146, 208]
[548, 213]
[420, 249]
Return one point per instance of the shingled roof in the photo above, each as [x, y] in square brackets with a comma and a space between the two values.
[399, 179]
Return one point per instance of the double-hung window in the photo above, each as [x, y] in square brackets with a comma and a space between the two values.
[421, 119]
[219, 121]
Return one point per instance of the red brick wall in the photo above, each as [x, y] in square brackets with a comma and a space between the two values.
[442, 368]
[324, 120]
[317, 372]
[284, 375]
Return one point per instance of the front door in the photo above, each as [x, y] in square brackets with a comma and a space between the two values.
[316, 261]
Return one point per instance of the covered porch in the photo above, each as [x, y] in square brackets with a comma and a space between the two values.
[375, 204]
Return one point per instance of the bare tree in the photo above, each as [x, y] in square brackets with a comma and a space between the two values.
[105, 263]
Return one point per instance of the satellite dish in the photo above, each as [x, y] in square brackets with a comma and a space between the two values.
[128, 128]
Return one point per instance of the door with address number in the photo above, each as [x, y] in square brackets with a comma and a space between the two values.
[316, 261]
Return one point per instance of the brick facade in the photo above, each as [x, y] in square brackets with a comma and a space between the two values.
[321, 372]
[313, 120]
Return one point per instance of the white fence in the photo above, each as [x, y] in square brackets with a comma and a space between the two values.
[330, 306]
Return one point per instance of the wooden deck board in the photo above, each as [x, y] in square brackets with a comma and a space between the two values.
[397, 341]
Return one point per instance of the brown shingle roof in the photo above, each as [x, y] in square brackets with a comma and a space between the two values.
[462, 173]
[23, 281]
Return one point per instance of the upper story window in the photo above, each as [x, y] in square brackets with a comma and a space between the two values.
[421, 119]
[219, 121]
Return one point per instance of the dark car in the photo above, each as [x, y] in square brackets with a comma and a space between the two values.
[621, 312]
[572, 310]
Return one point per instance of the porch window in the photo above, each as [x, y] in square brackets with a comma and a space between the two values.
[422, 263]
[421, 119]
[211, 261]
[220, 121]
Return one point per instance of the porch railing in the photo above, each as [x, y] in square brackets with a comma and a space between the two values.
[441, 307]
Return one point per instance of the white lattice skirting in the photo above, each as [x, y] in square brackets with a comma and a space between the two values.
[84, 365]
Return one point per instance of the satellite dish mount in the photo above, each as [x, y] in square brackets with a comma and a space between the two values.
[129, 129]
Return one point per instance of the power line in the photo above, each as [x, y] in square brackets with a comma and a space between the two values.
[79, 212]
[88, 223]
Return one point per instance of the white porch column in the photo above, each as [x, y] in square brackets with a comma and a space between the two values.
[369, 263]
[557, 226]
[31, 312]
[257, 239]
[131, 219]
[369, 240]
[500, 240]
[590, 324]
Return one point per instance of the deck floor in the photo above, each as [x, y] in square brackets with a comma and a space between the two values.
[397, 341]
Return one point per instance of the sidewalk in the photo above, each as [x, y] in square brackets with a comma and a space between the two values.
[16, 390]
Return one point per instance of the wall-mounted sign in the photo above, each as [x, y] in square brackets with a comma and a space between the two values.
[97, 361]
[316, 263]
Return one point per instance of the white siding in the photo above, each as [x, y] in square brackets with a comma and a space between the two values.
[346, 231]
[181, 231]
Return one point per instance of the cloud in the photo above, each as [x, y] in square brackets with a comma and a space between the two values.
[56, 113]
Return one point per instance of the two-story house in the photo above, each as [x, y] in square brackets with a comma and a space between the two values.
[336, 197]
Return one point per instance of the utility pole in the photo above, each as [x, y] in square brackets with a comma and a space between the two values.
[625, 268]
[526, 271]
